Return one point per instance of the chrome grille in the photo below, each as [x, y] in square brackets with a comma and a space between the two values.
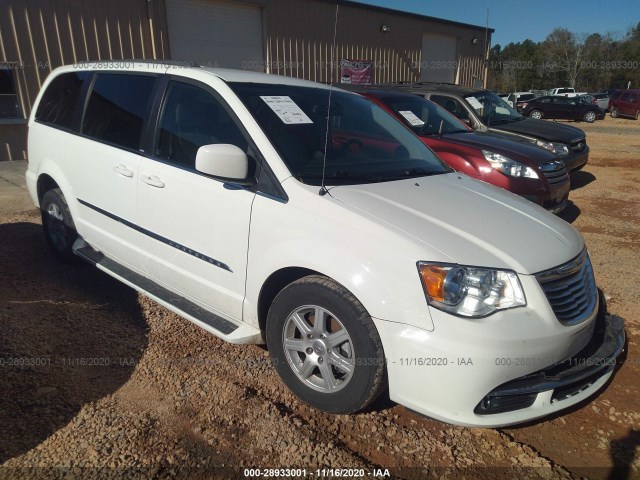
[571, 289]
[578, 144]
[555, 172]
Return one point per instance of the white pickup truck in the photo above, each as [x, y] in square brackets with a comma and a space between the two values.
[566, 91]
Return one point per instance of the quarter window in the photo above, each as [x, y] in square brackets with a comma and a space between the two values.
[117, 108]
[192, 117]
[59, 101]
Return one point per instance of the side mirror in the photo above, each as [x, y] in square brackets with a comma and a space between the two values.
[222, 160]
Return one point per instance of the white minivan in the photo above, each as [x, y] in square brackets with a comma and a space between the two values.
[272, 209]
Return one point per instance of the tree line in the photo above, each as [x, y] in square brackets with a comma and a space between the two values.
[589, 63]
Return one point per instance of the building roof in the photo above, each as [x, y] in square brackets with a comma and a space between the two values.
[360, 4]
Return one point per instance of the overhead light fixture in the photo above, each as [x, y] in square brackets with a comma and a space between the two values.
[474, 41]
[385, 28]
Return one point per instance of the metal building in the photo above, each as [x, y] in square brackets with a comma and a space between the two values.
[286, 37]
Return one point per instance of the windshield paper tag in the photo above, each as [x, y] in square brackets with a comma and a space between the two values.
[473, 101]
[286, 109]
[411, 118]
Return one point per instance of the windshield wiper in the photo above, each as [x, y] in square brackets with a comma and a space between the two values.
[408, 173]
[339, 175]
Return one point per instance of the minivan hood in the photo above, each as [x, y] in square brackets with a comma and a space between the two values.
[468, 222]
[544, 129]
[503, 145]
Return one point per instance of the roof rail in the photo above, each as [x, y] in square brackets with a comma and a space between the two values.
[183, 63]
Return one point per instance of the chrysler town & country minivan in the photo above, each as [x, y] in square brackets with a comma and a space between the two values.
[275, 210]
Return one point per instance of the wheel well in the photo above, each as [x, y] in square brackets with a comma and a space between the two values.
[45, 183]
[273, 285]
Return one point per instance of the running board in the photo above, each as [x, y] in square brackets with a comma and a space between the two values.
[221, 327]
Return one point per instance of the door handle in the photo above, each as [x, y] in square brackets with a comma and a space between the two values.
[123, 170]
[153, 181]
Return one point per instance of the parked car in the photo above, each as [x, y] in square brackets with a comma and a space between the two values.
[565, 92]
[272, 209]
[570, 108]
[601, 99]
[522, 168]
[484, 111]
[514, 98]
[626, 104]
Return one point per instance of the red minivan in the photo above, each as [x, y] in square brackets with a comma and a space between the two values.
[520, 167]
[627, 104]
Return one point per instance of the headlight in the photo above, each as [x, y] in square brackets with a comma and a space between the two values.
[559, 149]
[509, 167]
[470, 291]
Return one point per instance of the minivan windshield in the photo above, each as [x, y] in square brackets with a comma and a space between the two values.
[492, 109]
[363, 143]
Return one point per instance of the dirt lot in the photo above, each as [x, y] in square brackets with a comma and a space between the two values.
[116, 385]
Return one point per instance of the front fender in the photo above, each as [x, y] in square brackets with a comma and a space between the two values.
[371, 261]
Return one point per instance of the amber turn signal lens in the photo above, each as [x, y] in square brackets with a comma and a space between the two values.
[433, 280]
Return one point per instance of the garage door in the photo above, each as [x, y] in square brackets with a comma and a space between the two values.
[439, 55]
[214, 33]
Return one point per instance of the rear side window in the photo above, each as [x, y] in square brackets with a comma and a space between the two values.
[117, 107]
[60, 100]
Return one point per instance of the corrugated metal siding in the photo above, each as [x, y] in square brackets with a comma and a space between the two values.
[303, 49]
[37, 36]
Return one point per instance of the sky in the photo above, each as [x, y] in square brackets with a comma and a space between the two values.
[517, 20]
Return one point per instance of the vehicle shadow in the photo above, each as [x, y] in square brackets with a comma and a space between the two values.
[570, 213]
[69, 335]
[623, 452]
[581, 179]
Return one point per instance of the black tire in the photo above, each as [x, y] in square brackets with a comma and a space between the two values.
[590, 116]
[57, 224]
[367, 379]
[614, 112]
[536, 114]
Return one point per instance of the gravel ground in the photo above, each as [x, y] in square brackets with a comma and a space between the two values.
[110, 385]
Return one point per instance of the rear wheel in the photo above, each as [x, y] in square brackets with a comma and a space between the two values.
[325, 346]
[57, 224]
[614, 112]
[536, 114]
[590, 117]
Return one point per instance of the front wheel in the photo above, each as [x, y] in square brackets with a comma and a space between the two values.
[590, 117]
[536, 114]
[614, 112]
[325, 346]
[59, 229]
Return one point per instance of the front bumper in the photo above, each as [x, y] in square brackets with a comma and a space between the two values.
[449, 372]
[566, 379]
[576, 160]
[554, 200]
